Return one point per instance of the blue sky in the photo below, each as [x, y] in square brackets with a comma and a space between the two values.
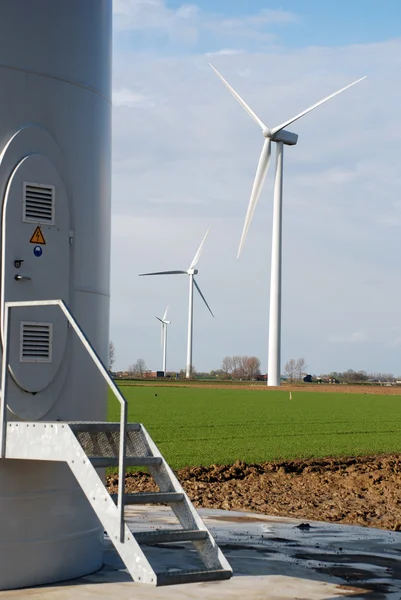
[184, 158]
[302, 23]
[322, 22]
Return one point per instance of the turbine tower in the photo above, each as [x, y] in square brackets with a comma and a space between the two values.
[164, 338]
[191, 271]
[281, 137]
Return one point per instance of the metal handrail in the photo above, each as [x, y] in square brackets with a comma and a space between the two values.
[104, 372]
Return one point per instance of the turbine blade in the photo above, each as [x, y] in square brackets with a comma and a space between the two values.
[164, 273]
[202, 296]
[199, 251]
[165, 313]
[305, 112]
[159, 319]
[261, 171]
[241, 101]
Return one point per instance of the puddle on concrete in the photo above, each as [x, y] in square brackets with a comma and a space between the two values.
[340, 557]
[244, 519]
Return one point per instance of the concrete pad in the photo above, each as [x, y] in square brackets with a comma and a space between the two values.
[272, 558]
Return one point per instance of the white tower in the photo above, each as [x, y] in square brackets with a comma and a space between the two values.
[55, 109]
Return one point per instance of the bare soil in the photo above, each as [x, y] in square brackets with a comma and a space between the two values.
[359, 491]
[377, 390]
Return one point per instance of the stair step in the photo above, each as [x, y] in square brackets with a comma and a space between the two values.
[175, 577]
[170, 535]
[130, 461]
[151, 498]
[100, 426]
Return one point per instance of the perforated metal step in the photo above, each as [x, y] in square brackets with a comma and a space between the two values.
[103, 440]
[166, 536]
[175, 577]
[151, 498]
[132, 461]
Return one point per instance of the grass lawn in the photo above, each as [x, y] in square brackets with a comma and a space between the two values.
[206, 426]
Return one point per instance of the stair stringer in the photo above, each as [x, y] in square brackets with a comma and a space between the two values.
[57, 442]
[185, 512]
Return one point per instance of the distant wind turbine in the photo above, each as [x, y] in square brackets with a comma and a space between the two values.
[164, 338]
[191, 271]
[280, 136]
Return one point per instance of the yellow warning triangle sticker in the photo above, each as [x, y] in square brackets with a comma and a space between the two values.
[37, 237]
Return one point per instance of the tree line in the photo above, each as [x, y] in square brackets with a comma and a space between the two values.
[240, 367]
[351, 376]
[137, 369]
[248, 368]
[233, 367]
[295, 369]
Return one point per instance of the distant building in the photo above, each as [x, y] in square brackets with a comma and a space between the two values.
[153, 374]
[121, 374]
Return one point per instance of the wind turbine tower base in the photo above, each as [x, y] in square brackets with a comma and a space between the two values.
[55, 147]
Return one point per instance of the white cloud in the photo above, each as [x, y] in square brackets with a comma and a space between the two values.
[355, 337]
[188, 22]
[154, 16]
[141, 14]
[225, 52]
[178, 200]
[130, 98]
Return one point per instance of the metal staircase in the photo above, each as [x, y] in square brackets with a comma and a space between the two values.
[87, 446]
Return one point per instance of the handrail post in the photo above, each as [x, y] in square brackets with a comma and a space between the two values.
[4, 381]
[123, 414]
[121, 470]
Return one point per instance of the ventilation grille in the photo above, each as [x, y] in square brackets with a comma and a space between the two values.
[36, 342]
[38, 203]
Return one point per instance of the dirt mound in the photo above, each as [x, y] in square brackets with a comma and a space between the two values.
[360, 491]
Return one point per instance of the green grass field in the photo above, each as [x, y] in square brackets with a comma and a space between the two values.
[219, 426]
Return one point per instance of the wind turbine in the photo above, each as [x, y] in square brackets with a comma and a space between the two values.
[164, 338]
[191, 271]
[281, 137]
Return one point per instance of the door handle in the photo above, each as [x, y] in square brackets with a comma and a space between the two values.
[22, 278]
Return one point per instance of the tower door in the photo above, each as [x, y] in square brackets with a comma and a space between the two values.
[35, 266]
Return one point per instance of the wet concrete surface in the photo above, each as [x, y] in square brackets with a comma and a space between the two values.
[272, 558]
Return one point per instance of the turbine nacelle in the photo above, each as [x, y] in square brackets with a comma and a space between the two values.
[163, 322]
[286, 137]
[192, 271]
